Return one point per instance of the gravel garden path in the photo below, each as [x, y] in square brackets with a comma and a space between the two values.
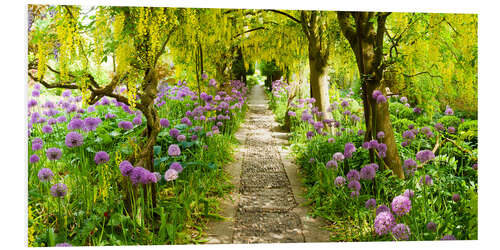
[266, 204]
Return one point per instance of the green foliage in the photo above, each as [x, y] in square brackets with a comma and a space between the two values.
[400, 110]
[450, 121]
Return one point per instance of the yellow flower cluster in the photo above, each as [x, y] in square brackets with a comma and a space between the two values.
[65, 29]
[42, 58]
[101, 24]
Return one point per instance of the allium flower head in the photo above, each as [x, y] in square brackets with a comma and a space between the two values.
[75, 123]
[354, 194]
[367, 172]
[181, 138]
[376, 93]
[174, 150]
[35, 93]
[331, 164]
[425, 155]
[381, 99]
[332, 140]
[58, 190]
[451, 130]
[439, 127]
[174, 133]
[32, 103]
[409, 193]
[384, 222]
[61, 119]
[401, 232]
[380, 135]
[176, 166]
[417, 110]
[291, 113]
[137, 120]
[66, 93]
[73, 139]
[354, 185]
[171, 175]
[47, 129]
[34, 158]
[371, 203]
[448, 111]
[431, 226]
[428, 180]
[64, 244]
[36, 146]
[339, 181]
[373, 144]
[45, 175]
[403, 99]
[91, 123]
[401, 205]
[125, 125]
[353, 175]
[456, 197]
[164, 122]
[448, 237]
[101, 157]
[126, 168]
[137, 174]
[339, 157]
[408, 134]
[53, 154]
[382, 208]
[349, 148]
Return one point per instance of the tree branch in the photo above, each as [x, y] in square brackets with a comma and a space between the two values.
[248, 31]
[286, 14]
[424, 72]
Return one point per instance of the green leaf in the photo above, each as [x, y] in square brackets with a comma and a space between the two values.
[157, 150]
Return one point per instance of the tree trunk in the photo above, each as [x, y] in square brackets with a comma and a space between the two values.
[318, 69]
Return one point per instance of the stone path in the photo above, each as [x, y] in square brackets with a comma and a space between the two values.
[265, 207]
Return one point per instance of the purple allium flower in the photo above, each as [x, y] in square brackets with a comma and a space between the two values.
[137, 120]
[174, 150]
[332, 140]
[58, 190]
[451, 130]
[355, 185]
[73, 139]
[354, 194]
[367, 172]
[61, 119]
[158, 176]
[339, 181]
[373, 144]
[339, 157]
[361, 132]
[176, 166]
[382, 208]
[366, 145]
[194, 137]
[331, 164]
[318, 125]
[474, 166]
[425, 155]
[309, 134]
[349, 148]
[174, 133]
[448, 111]
[171, 175]
[409, 193]
[35, 93]
[381, 99]
[448, 237]
[125, 125]
[164, 122]
[353, 175]
[431, 226]
[45, 175]
[439, 127]
[401, 232]
[382, 147]
[405, 143]
[204, 76]
[36, 146]
[34, 158]
[126, 168]
[91, 123]
[64, 244]
[344, 103]
[380, 135]
[291, 113]
[32, 103]
[417, 110]
[312, 160]
[456, 197]
[403, 99]
[47, 129]
[101, 157]
[75, 123]
[384, 222]
[66, 93]
[53, 154]
[428, 180]
[376, 93]
[137, 174]
[181, 138]
[401, 205]
[371, 203]
[409, 135]
[109, 116]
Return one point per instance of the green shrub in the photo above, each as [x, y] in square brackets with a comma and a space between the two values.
[400, 110]
[401, 125]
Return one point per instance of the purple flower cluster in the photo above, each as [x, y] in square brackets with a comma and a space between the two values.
[401, 205]
[349, 148]
[73, 139]
[384, 222]
[53, 154]
[174, 150]
[401, 232]
[45, 175]
[101, 157]
[425, 156]
[367, 172]
[339, 181]
[58, 190]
